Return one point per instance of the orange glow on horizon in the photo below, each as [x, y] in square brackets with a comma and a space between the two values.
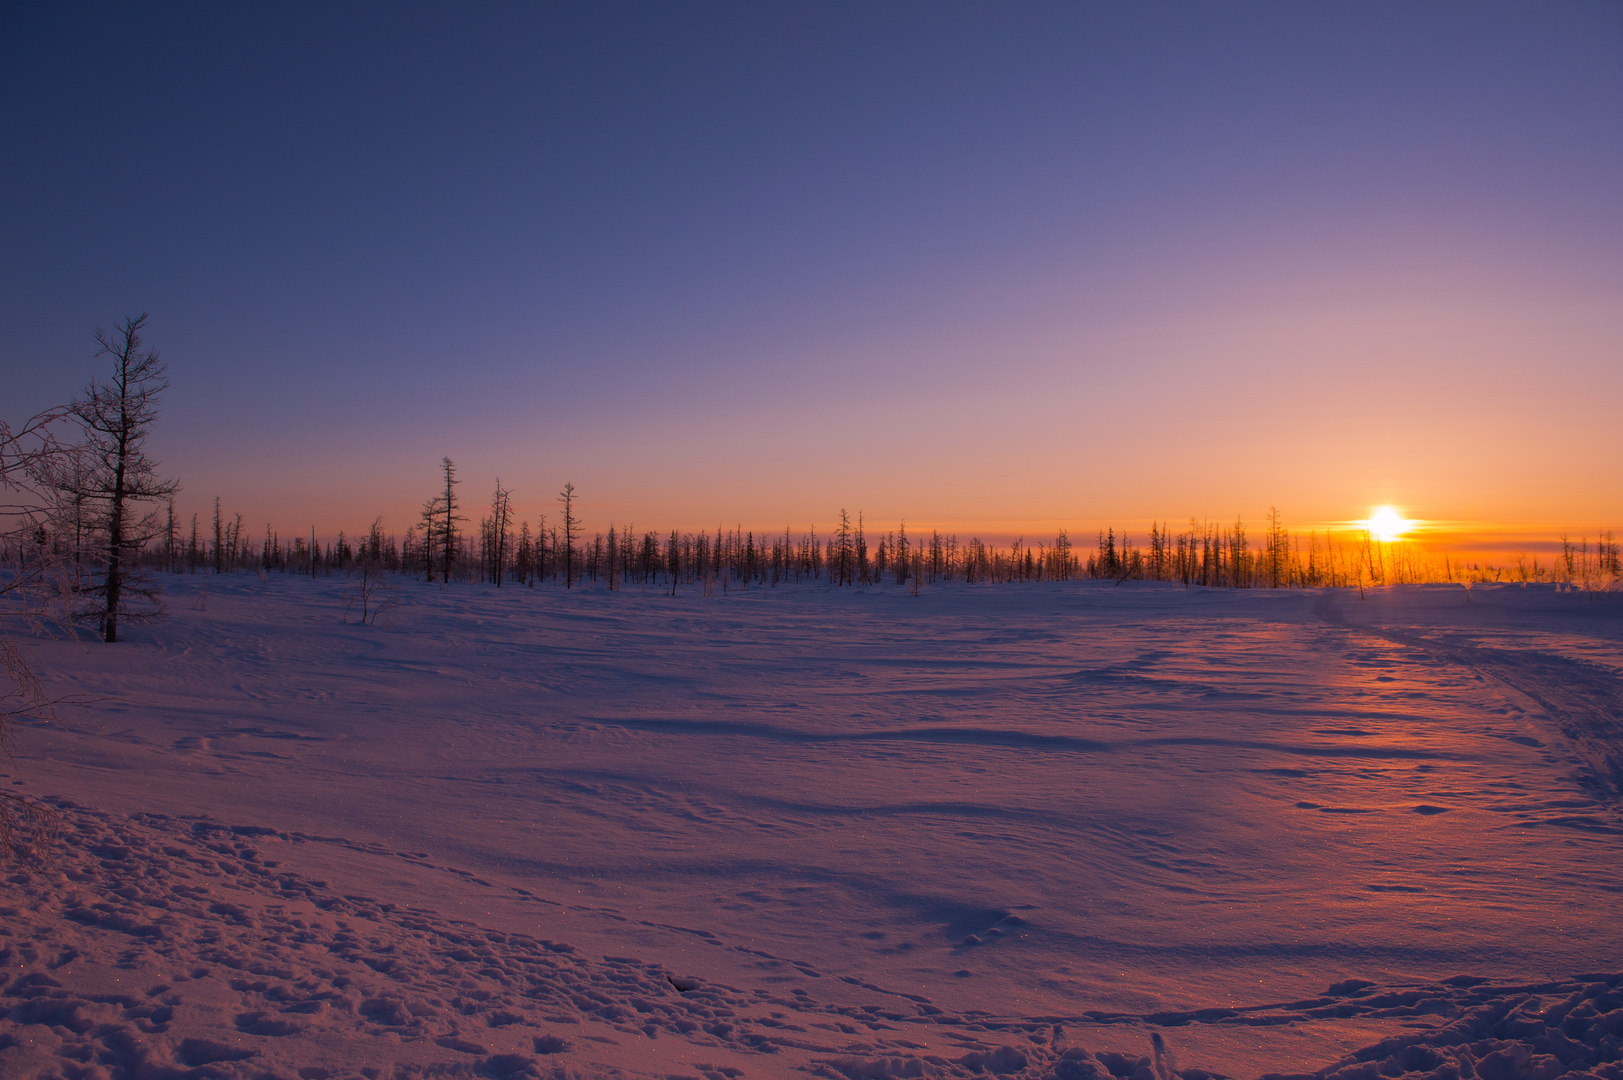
[1386, 524]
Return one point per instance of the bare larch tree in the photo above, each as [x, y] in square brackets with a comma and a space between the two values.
[571, 531]
[501, 514]
[116, 417]
[448, 507]
[36, 588]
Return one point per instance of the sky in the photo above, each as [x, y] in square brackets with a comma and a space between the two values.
[1001, 269]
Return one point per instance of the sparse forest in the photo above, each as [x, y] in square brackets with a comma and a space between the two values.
[505, 550]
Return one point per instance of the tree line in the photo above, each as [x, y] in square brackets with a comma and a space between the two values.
[501, 549]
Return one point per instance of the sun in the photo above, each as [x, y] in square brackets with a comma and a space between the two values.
[1386, 524]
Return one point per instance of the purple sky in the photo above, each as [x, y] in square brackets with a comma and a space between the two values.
[1000, 268]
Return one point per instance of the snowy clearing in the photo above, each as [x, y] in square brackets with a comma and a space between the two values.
[1018, 830]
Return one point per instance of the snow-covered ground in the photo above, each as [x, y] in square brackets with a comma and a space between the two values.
[1016, 829]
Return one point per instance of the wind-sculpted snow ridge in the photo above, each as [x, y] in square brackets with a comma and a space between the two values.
[155, 948]
[1572, 1030]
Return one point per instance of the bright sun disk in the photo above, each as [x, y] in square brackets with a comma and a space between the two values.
[1386, 524]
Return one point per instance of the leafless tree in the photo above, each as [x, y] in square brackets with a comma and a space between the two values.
[448, 518]
[571, 530]
[371, 588]
[673, 559]
[39, 556]
[115, 418]
[501, 515]
[37, 581]
[431, 516]
[219, 539]
[843, 565]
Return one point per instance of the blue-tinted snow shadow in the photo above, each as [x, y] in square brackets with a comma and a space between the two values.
[940, 735]
[1007, 739]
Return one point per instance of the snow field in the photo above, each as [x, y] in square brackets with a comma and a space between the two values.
[925, 831]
